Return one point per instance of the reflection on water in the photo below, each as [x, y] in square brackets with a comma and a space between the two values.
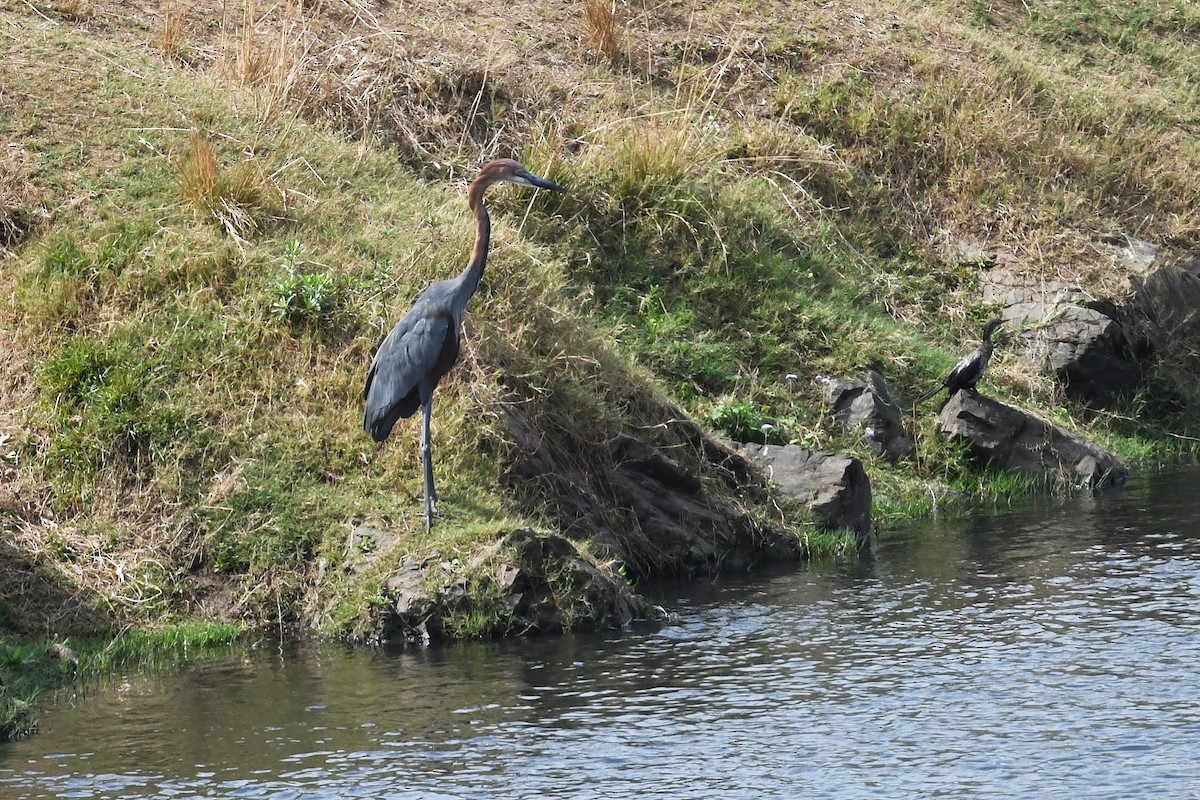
[1043, 652]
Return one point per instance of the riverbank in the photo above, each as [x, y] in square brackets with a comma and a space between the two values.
[1076, 614]
[206, 233]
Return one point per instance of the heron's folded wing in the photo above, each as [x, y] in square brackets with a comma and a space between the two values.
[407, 356]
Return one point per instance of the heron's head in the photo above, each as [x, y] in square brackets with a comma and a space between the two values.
[990, 328]
[507, 170]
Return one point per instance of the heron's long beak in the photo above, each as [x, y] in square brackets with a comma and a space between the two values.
[541, 183]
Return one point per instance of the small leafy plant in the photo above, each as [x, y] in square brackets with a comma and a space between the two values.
[745, 422]
[304, 296]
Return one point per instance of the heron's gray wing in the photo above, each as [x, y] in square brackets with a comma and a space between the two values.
[408, 355]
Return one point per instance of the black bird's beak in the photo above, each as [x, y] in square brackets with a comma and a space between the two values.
[540, 182]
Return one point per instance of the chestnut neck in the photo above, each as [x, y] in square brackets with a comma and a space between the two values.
[483, 234]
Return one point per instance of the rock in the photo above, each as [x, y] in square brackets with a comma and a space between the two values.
[1134, 255]
[1016, 440]
[64, 653]
[365, 546]
[1168, 299]
[1090, 351]
[593, 597]
[834, 487]
[1084, 341]
[868, 404]
[1165, 302]
[412, 604]
[528, 583]
[635, 455]
[678, 495]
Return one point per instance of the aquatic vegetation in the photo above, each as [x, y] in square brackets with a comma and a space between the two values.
[31, 668]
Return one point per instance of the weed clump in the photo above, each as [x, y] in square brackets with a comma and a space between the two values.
[301, 296]
[601, 28]
[237, 198]
[171, 41]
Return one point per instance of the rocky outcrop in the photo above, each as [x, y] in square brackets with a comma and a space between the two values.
[1101, 347]
[1166, 303]
[1169, 299]
[525, 583]
[833, 487]
[667, 507]
[1084, 341]
[867, 405]
[1016, 440]
[666, 502]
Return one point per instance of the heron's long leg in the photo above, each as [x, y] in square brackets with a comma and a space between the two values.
[427, 464]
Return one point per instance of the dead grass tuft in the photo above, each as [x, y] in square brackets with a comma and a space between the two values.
[15, 224]
[22, 197]
[74, 10]
[171, 41]
[277, 65]
[237, 198]
[601, 28]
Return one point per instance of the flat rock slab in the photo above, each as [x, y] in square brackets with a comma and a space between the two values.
[1017, 440]
[833, 486]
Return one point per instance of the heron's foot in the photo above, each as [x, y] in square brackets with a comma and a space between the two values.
[431, 513]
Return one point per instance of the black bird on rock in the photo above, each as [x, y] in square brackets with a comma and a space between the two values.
[423, 346]
[970, 369]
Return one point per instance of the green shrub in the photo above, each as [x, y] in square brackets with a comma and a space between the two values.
[304, 296]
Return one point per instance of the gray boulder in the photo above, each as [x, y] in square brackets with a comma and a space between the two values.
[868, 405]
[1091, 351]
[1169, 300]
[365, 546]
[1135, 256]
[1084, 341]
[412, 602]
[1016, 440]
[834, 487]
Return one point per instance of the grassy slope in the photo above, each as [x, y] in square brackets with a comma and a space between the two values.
[215, 249]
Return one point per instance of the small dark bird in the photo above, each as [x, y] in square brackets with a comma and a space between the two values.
[423, 346]
[970, 369]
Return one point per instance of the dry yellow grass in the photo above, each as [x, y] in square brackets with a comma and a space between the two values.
[602, 28]
[171, 41]
[238, 198]
[74, 10]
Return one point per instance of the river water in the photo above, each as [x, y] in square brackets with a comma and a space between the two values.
[1047, 651]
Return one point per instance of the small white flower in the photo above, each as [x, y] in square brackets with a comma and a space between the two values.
[791, 376]
[767, 427]
[870, 432]
[823, 379]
